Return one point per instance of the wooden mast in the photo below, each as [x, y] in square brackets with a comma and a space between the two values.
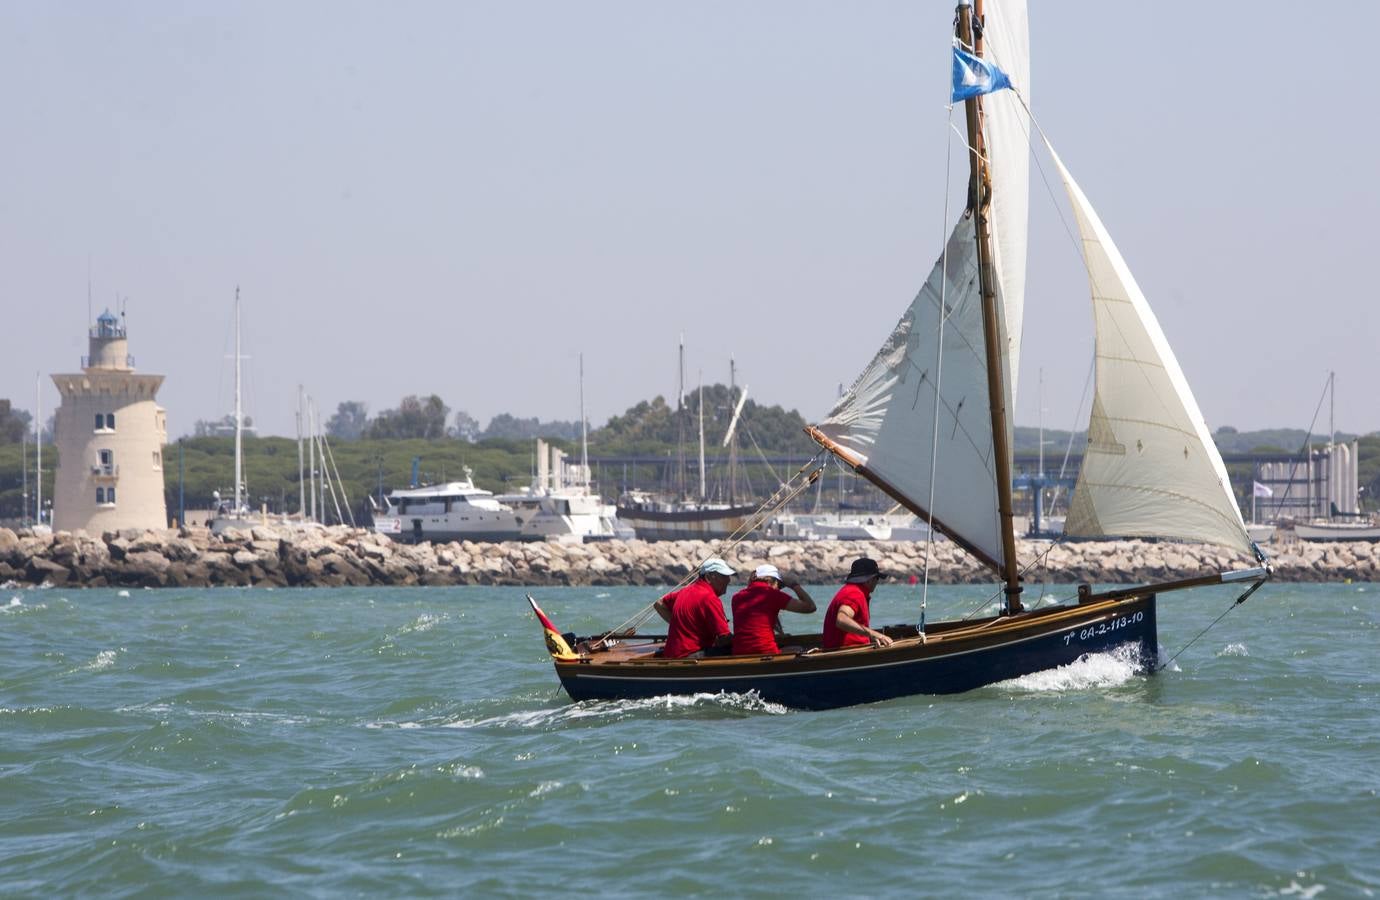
[980, 205]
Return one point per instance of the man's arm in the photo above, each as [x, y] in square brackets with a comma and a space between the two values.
[845, 621]
[724, 636]
[663, 606]
[802, 602]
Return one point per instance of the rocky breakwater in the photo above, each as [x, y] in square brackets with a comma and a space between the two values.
[282, 557]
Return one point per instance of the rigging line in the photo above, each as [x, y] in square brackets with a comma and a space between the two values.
[1307, 439]
[1044, 177]
[776, 501]
[340, 519]
[1026, 568]
[331, 454]
[758, 447]
[994, 597]
[1077, 417]
[971, 149]
[1235, 603]
[736, 538]
[938, 371]
[1165, 407]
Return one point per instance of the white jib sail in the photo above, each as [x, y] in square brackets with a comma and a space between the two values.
[1006, 42]
[1150, 468]
[886, 420]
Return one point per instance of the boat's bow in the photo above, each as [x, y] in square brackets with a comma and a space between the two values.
[556, 644]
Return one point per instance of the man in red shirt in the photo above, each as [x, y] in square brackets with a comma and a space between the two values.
[846, 622]
[695, 612]
[756, 610]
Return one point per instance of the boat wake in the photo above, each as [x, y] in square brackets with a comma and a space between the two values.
[692, 706]
[1111, 668]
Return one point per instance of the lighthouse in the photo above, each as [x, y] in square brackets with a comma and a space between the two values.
[110, 433]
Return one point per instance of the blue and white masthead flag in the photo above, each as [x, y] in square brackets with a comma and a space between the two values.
[974, 76]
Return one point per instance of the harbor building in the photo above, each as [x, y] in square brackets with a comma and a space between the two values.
[1321, 482]
[110, 433]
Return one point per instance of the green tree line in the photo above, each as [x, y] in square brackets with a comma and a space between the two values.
[501, 455]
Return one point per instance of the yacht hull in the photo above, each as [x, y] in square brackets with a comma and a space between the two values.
[685, 525]
[1336, 532]
[446, 537]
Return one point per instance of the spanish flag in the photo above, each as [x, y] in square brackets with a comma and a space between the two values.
[555, 644]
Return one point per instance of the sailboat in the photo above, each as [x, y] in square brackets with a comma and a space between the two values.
[561, 504]
[680, 518]
[1346, 521]
[929, 423]
[237, 515]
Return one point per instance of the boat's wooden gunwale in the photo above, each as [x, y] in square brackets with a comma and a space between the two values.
[973, 637]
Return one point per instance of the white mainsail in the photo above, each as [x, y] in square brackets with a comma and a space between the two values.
[1150, 468]
[1006, 42]
[884, 424]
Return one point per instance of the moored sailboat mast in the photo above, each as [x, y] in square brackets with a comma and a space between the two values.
[239, 415]
[980, 205]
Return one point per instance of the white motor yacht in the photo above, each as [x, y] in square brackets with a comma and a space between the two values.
[454, 511]
[560, 505]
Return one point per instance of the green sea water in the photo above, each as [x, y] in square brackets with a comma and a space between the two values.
[414, 742]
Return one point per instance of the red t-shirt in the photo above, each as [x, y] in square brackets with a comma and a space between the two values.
[697, 620]
[850, 595]
[755, 617]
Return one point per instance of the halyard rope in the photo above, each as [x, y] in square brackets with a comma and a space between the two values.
[784, 494]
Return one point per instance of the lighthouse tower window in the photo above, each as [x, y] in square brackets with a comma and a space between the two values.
[105, 421]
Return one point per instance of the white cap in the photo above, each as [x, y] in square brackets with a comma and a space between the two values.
[715, 566]
[767, 571]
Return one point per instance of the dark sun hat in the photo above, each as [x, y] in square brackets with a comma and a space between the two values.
[863, 569]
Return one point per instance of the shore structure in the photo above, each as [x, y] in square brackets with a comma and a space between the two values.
[110, 433]
[280, 556]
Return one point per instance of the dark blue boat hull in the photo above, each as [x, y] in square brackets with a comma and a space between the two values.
[819, 682]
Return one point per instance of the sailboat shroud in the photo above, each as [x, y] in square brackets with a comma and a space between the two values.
[1151, 469]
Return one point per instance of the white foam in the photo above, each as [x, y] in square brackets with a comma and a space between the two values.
[460, 770]
[1234, 649]
[1110, 668]
[1296, 889]
[422, 623]
[618, 709]
[122, 594]
[104, 660]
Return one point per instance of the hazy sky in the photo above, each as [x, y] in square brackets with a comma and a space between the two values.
[461, 197]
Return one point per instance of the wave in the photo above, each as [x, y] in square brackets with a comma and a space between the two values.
[103, 660]
[1110, 668]
[594, 711]
[18, 607]
[242, 717]
[424, 622]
